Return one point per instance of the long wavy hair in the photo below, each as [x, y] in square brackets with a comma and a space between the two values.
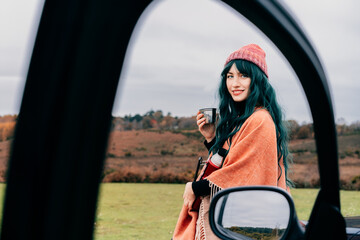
[234, 114]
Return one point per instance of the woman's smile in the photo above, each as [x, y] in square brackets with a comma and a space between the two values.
[237, 92]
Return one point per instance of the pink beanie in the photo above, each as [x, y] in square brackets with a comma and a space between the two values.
[252, 53]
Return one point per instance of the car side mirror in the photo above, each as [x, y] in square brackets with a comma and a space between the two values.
[257, 212]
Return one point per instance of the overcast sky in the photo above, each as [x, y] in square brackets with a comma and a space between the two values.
[178, 50]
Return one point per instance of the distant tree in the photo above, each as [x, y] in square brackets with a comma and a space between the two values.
[158, 116]
[293, 128]
[136, 125]
[355, 127]
[149, 113]
[187, 123]
[8, 118]
[127, 117]
[341, 127]
[147, 122]
[304, 132]
[127, 126]
[167, 123]
[137, 118]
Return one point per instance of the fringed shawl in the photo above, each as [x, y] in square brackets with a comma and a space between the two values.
[251, 160]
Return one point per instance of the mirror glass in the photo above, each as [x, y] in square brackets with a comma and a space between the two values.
[252, 214]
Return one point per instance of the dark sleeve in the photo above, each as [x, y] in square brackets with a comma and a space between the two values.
[201, 188]
[210, 144]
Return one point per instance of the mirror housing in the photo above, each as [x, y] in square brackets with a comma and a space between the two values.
[254, 211]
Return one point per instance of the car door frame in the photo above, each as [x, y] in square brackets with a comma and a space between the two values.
[63, 125]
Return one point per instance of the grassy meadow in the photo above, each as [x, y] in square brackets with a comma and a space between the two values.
[150, 211]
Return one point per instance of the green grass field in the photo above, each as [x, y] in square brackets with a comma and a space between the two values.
[137, 211]
[150, 211]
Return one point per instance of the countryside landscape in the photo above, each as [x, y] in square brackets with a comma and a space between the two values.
[158, 148]
[151, 156]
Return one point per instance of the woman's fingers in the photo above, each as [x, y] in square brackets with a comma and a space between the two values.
[201, 125]
[207, 130]
[188, 195]
[187, 203]
[201, 122]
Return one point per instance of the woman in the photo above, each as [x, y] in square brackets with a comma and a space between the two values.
[251, 131]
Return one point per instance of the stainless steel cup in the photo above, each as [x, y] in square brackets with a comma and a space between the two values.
[209, 114]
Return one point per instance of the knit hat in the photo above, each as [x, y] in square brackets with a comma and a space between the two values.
[252, 53]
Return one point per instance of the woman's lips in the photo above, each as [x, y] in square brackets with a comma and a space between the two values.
[237, 92]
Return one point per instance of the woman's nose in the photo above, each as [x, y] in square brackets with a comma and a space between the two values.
[237, 81]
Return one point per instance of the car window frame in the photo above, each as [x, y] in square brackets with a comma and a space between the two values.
[78, 45]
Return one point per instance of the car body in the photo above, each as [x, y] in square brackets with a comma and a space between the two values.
[63, 126]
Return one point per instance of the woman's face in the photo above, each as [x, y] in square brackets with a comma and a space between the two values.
[238, 84]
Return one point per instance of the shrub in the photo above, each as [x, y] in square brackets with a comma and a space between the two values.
[166, 152]
[137, 175]
[313, 182]
[299, 151]
[164, 165]
[357, 152]
[111, 155]
[353, 184]
[304, 132]
[7, 130]
[141, 149]
[355, 179]
[349, 153]
[194, 135]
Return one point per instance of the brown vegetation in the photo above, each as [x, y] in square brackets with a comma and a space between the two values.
[7, 127]
[152, 156]
[304, 170]
[157, 148]
[178, 161]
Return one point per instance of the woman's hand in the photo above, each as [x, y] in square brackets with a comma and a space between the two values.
[206, 129]
[189, 196]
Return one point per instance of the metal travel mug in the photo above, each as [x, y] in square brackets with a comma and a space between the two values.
[209, 114]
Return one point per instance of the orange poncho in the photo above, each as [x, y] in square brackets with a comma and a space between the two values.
[251, 160]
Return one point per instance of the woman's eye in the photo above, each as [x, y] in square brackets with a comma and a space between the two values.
[230, 76]
[244, 76]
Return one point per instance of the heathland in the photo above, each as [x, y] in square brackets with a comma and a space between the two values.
[153, 148]
[163, 149]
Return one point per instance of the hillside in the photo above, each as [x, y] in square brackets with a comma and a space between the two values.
[162, 154]
[171, 156]
[176, 153]
[4, 156]
[305, 169]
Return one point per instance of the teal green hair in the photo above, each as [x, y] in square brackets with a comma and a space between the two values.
[234, 114]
